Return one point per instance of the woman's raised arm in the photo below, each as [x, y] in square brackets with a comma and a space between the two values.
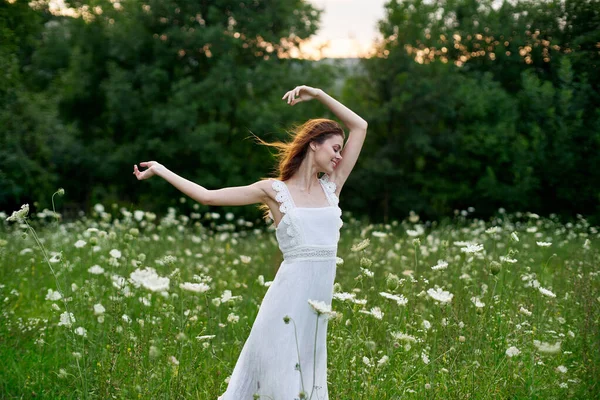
[355, 124]
[231, 196]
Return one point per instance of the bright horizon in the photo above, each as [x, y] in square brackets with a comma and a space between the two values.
[348, 29]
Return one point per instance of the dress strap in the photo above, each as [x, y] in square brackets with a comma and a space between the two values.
[329, 187]
[283, 196]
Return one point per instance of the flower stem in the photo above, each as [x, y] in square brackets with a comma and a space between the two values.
[314, 360]
[298, 351]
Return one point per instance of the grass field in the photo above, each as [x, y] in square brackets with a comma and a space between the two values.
[125, 305]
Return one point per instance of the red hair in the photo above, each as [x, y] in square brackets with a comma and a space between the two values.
[291, 155]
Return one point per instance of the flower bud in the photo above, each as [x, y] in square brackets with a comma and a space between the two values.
[495, 267]
[392, 281]
[365, 262]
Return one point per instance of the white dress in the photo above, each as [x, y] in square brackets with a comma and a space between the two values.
[267, 365]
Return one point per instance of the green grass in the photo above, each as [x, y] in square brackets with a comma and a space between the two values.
[146, 346]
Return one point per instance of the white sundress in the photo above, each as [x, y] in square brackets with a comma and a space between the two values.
[267, 365]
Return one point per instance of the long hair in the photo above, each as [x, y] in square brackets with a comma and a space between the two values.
[290, 155]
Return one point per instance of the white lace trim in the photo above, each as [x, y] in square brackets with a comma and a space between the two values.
[310, 252]
[284, 197]
[330, 188]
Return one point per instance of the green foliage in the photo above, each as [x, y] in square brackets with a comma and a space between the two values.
[513, 128]
[469, 103]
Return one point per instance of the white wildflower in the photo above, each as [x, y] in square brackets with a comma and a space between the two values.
[547, 348]
[66, 319]
[81, 331]
[118, 281]
[544, 244]
[403, 336]
[149, 279]
[194, 287]
[367, 272]
[95, 270]
[99, 309]
[322, 309]
[227, 296]
[383, 360]
[512, 351]
[493, 229]
[114, 253]
[472, 248]
[478, 303]
[80, 243]
[525, 311]
[514, 236]
[153, 352]
[344, 296]
[233, 318]
[441, 264]
[377, 313]
[440, 295]
[205, 337]
[361, 246]
[546, 292]
[19, 216]
[138, 215]
[53, 295]
[400, 299]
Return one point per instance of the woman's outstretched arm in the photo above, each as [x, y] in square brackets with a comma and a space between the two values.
[231, 196]
[355, 124]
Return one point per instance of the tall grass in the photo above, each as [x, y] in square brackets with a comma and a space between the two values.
[516, 317]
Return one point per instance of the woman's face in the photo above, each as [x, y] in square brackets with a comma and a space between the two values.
[328, 154]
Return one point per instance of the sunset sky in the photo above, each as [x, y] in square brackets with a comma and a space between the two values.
[348, 26]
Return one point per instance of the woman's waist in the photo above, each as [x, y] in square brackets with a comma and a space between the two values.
[310, 252]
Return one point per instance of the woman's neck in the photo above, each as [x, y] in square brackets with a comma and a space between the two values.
[305, 178]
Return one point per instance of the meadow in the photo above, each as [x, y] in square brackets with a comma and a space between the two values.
[123, 304]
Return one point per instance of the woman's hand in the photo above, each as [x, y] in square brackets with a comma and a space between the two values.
[148, 173]
[301, 93]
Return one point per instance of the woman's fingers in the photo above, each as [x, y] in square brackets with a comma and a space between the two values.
[146, 173]
[295, 95]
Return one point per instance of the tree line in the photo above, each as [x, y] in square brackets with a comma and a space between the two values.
[469, 103]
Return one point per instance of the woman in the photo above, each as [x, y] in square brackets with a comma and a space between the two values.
[282, 360]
